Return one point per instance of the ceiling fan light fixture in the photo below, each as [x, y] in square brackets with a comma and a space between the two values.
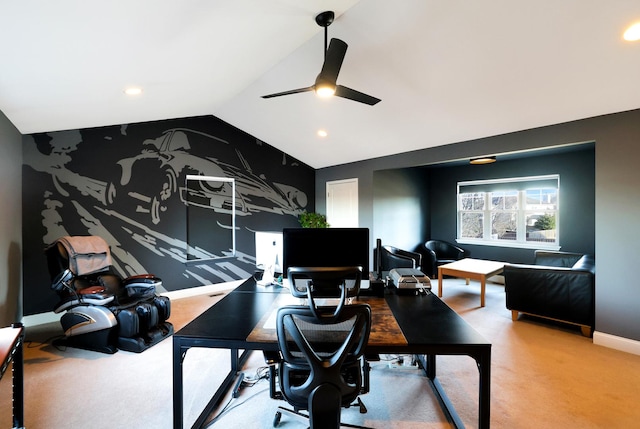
[482, 160]
[632, 33]
[325, 91]
[326, 82]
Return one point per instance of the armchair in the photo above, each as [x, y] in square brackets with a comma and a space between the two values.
[439, 252]
[388, 257]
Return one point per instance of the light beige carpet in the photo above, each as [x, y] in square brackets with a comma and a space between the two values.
[543, 376]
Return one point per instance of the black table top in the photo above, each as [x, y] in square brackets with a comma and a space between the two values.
[425, 320]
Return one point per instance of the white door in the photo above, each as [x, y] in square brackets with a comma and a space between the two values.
[342, 203]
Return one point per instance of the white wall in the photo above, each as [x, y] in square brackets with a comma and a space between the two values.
[10, 223]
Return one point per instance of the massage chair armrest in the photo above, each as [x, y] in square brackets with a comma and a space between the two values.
[89, 296]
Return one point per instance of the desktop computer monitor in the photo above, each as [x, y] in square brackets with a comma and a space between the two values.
[326, 247]
[269, 254]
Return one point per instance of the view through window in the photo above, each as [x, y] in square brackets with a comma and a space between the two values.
[518, 212]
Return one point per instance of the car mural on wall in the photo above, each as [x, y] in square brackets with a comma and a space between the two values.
[168, 159]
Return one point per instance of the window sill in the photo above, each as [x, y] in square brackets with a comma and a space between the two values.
[512, 244]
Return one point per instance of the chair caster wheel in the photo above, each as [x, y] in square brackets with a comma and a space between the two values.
[276, 419]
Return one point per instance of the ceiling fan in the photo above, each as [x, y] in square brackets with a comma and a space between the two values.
[325, 85]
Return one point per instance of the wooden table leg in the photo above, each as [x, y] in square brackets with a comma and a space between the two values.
[483, 282]
[440, 282]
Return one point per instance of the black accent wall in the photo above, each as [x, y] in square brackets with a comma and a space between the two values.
[127, 184]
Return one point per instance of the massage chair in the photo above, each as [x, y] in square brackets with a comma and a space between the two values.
[101, 311]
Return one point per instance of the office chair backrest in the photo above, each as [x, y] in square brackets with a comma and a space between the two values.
[324, 282]
[321, 368]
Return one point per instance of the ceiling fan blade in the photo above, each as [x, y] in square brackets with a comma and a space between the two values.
[352, 94]
[293, 91]
[333, 61]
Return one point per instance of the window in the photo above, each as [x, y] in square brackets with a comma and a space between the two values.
[516, 212]
[211, 223]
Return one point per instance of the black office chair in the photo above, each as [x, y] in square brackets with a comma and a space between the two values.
[322, 359]
[322, 349]
[324, 282]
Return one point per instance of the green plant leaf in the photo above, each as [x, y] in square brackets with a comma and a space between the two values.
[313, 220]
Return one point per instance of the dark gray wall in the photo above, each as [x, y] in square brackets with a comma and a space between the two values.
[577, 199]
[400, 188]
[127, 184]
[10, 223]
[617, 199]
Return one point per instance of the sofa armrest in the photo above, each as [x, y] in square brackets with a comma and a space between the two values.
[554, 292]
[586, 263]
[556, 259]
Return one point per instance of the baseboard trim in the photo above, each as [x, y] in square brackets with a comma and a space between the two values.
[50, 316]
[203, 290]
[40, 319]
[615, 342]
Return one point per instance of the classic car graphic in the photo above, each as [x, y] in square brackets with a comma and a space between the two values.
[168, 161]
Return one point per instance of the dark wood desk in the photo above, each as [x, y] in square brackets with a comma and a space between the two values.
[11, 340]
[429, 326]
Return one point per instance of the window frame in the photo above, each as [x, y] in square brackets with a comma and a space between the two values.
[519, 184]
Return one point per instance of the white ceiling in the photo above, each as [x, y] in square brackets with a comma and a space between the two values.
[446, 71]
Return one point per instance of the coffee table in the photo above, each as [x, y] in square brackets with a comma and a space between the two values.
[469, 268]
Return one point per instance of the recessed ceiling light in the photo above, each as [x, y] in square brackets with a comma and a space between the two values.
[133, 91]
[322, 133]
[632, 33]
[483, 160]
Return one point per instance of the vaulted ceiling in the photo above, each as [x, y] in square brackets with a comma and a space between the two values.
[446, 71]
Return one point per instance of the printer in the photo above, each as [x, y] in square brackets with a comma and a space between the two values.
[409, 278]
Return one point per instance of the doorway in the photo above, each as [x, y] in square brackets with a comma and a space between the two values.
[342, 203]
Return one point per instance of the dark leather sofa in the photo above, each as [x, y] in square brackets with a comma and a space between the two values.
[559, 286]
